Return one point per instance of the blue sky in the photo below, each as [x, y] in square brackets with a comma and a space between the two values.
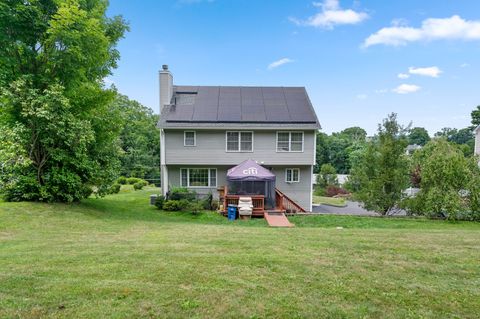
[359, 60]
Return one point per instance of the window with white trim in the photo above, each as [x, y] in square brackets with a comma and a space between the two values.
[198, 177]
[239, 141]
[189, 138]
[289, 141]
[292, 175]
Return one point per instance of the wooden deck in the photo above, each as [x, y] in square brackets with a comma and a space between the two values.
[283, 204]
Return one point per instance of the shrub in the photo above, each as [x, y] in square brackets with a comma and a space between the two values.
[215, 204]
[179, 193]
[159, 201]
[176, 205]
[133, 180]
[207, 202]
[115, 188]
[172, 205]
[333, 190]
[319, 191]
[138, 186]
[327, 175]
[195, 207]
[122, 180]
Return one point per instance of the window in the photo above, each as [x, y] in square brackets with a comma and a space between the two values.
[239, 141]
[289, 141]
[198, 177]
[292, 175]
[189, 138]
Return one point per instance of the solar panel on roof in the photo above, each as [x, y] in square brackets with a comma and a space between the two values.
[252, 104]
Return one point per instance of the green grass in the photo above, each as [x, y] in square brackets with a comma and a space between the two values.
[117, 257]
[339, 202]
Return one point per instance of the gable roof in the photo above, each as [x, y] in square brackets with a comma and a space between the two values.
[216, 106]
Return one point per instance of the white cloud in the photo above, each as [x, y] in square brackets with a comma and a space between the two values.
[362, 96]
[403, 76]
[406, 88]
[464, 65]
[432, 71]
[332, 14]
[278, 63]
[432, 29]
[381, 91]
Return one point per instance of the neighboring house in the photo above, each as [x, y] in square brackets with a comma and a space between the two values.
[206, 130]
[477, 140]
[341, 179]
[412, 148]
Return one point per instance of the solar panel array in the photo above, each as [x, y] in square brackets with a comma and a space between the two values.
[242, 104]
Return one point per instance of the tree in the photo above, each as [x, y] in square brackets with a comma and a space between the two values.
[419, 136]
[53, 58]
[475, 118]
[139, 140]
[448, 183]
[338, 153]
[356, 134]
[463, 137]
[381, 176]
[327, 176]
[322, 151]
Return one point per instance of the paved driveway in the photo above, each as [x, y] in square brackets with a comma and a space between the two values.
[352, 208]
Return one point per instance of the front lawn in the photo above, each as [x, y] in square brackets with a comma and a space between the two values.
[117, 257]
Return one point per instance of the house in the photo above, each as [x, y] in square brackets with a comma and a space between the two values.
[205, 131]
[477, 140]
[412, 148]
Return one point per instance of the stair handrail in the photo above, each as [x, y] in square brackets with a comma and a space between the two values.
[298, 207]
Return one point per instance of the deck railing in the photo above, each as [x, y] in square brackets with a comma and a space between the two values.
[282, 202]
[285, 203]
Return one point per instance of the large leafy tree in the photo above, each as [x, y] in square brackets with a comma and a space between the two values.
[419, 136]
[354, 133]
[380, 176]
[449, 182]
[54, 56]
[139, 140]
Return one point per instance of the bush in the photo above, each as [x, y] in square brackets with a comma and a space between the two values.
[115, 188]
[215, 204]
[333, 190]
[179, 193]
[133, 180]
[319, 191]
[159, 201]
[138, 186]
[122, 180]
[207, 202]
[175, 205]
[195, 207]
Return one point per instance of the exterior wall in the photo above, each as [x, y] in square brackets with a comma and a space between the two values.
[300, 192]
[477, 141]
[174, 178]
[210, 149]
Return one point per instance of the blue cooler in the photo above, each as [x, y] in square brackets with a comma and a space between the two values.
[232, 212]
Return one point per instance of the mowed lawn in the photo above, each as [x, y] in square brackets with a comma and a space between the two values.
[117, 257]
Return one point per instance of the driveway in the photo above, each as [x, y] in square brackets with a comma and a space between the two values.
[352, 208]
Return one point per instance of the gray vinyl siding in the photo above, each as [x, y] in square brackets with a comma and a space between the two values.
[210, 149]
[299, 192]
[477, 141]
[174, 178]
